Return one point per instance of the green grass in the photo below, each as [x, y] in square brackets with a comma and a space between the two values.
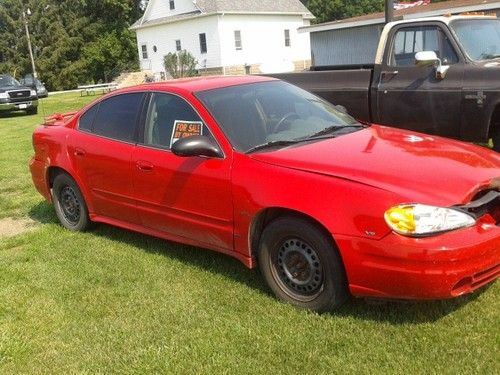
[112, 301]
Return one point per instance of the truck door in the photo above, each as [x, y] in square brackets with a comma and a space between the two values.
[411, 97]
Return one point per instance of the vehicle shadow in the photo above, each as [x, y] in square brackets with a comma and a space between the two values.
[392, 312]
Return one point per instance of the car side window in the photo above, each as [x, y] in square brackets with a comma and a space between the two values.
[87, 119]
[170, 118]
[117, 116]
[410, 40]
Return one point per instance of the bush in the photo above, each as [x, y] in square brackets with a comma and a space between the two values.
[180, 64]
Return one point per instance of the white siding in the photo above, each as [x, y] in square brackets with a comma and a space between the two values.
[161, 8]
[263, 39]
[164, 37]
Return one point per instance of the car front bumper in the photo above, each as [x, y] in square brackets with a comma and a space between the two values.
[437, 267]
[7, 107]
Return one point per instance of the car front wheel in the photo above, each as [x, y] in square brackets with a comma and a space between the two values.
[69, 204]
[301, 265]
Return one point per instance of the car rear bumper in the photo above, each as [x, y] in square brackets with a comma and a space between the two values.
[437, 267]
[19, 106]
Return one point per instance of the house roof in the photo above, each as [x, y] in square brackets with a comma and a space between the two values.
[252, 6]
[430, 10]
[209, 7]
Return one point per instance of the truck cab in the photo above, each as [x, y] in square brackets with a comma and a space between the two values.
[440, 76]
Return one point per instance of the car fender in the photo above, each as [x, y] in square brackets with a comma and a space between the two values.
[342, 207]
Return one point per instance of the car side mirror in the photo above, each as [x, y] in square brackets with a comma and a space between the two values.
[429, 58]
[341, 108]
[196, 145]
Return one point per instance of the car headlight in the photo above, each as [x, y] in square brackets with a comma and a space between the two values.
[421, 220]
[33, 92]
[4, 95]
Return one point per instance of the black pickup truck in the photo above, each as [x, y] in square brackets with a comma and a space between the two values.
[433, 75]
[15, 97]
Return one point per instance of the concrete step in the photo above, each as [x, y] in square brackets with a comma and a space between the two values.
[131, 79]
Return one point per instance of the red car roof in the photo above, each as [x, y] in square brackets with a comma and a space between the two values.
[202, 83]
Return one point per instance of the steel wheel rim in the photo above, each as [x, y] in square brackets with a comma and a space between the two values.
[297, 268]
[70, 205]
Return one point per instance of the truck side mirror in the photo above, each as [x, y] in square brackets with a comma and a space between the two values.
[429, 58]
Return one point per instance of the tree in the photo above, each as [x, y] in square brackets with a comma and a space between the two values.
[180, 64]
[74, 41]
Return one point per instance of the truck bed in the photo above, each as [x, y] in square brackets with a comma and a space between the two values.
[347, 87]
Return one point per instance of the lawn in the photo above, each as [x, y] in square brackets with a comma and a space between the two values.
[112, 301]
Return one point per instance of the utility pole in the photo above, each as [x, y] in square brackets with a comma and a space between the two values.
[25, 18]
[389, 10]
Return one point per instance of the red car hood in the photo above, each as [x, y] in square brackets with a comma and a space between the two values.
[418, 167]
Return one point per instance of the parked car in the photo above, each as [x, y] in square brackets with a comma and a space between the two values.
[274, 176]
[41, 91]
[15, 97]
[434, 75]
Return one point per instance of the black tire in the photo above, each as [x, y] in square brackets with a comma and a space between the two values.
[496, 139]
[32, 111]
[301, 265]
[69, 204]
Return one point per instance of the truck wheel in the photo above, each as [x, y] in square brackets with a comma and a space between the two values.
[32, 111]
[301, 265]
[69, 204]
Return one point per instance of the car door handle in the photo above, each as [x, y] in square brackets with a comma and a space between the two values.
[144, 166]
[390, 72]
[79, 152]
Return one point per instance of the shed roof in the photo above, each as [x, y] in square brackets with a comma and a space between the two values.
[430, 10]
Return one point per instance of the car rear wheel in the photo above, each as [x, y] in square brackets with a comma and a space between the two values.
[301, 265]
[69, 204]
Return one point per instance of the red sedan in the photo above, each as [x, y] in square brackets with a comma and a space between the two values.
[270, 174]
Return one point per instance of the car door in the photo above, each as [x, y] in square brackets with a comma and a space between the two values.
[102, 151]
[411, 97]
[185, 197]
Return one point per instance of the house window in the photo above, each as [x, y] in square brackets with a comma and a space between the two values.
[172, 4]
[203, 43]
[144, 50]
[237, 39]
[287, 38]
[178, 45]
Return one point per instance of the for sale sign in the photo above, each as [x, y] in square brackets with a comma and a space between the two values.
[183, 129]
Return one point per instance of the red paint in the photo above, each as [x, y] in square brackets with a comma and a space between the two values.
[345, 184]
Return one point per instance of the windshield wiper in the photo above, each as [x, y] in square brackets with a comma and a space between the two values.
[332, 130]
[272, 144]
[489, 56]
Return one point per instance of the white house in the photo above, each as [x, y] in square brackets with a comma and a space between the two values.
[225, 36]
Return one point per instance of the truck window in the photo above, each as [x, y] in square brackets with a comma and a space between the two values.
[410, 40]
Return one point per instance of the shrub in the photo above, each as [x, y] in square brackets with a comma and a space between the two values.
[180, 64]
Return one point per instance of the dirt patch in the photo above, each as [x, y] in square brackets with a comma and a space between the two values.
[12, 227]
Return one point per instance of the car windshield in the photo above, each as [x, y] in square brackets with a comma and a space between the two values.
[8, 81]
[480, 38]
[273, 113]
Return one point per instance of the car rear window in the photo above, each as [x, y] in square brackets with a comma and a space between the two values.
[117, 116]
[87, 119]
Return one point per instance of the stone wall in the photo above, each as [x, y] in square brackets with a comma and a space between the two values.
[253, 69]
